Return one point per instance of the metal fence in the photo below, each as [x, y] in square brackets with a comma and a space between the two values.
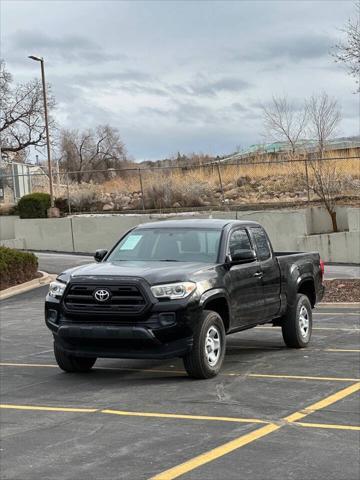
[215, 185]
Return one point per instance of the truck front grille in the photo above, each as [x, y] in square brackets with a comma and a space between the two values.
[126, 299]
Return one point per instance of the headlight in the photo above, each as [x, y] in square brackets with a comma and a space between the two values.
[173, 290]
[56, 289]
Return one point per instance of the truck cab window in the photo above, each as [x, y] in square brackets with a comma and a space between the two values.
[262, 245]
[239, 240]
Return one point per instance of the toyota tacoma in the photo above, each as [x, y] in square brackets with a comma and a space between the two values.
[175, 289]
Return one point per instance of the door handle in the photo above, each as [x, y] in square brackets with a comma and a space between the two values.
[258, 274]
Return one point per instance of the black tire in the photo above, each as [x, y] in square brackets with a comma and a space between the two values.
[197, 362]
[71, 363]
[297, 323]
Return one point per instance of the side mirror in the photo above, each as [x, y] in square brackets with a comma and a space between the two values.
[99, 255]
[243, 256]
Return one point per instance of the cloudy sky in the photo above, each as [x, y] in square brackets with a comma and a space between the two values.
[185, 76]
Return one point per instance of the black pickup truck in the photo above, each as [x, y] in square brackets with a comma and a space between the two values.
[175, 289]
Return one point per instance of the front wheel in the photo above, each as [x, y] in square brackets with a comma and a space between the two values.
[71, 363]
[297, 323]
[207, 355]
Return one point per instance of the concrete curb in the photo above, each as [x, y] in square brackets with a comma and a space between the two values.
[45, 279]
[338, 304]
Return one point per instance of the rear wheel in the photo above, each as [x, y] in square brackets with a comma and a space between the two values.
[297, 323]
[71, 363]
[207, 355]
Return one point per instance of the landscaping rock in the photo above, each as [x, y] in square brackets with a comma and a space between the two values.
[108, 206]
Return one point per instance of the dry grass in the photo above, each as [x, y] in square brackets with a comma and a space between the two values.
[209, 175]
[200, 186]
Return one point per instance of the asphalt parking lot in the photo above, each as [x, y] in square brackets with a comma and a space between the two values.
[273, 413]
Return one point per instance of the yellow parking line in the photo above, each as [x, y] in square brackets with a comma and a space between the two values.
[339, 329]
[48, 409]
[182, 372]
[216, 453]
[239, 442]
[325, 402]
[177, 416]
[301, 377]
[326, 425]
[345, 350]
[11, 364]
[338, 314]
[184, 417]
[134, 414]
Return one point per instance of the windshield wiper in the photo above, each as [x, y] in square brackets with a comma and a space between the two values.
[168, 260]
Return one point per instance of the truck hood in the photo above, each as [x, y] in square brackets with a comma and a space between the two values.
[153, 272]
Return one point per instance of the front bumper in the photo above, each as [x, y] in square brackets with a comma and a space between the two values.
[165, 331]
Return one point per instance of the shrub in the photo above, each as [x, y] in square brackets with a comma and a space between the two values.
[84, 200]
[8, 209]
[34, 205]
[169, 193]
[62, 204]
[16, 267]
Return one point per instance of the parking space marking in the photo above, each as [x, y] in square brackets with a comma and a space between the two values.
[325, 402]
[344, 350]
[176, 416]
[216, 453]
[182, 372]
[239, 442]
[185, 417]
[301, 377]
[12, 364]
[337, 314]
[338, 329]
[327, 425]
[48, 409]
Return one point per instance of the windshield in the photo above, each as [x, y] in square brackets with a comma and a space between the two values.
[168, 244]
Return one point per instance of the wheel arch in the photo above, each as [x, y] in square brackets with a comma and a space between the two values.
[217, 301]
[306, 286]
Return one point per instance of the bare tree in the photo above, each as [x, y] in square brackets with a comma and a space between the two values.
[22, 113]
[348, 52]
[99, 149]
[324, 179]
[324, 117]
[283, 122]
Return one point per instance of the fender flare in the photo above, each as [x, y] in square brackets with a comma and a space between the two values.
[304, 278]
[212, 295]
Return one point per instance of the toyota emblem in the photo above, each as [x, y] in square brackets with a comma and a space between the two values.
[101, 295]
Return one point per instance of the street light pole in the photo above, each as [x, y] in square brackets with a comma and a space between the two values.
[41, 60]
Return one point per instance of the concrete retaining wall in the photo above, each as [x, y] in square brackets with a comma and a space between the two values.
[18, 243]
[283, 227]
[354, 219]
[91, 233]
[288, 230]
[319, 220]
[45, 234]
[7, 227]
[86, 234]
[342, 247]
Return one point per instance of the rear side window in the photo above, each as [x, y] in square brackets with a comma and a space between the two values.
[239, 240]
[262, 245]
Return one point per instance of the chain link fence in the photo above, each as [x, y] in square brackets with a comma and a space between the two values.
[216, 185]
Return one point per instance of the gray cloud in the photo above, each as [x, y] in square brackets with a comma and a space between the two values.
[297, 47]
[205, 86]
[238, 107]
[69, 48]
[178, 75]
